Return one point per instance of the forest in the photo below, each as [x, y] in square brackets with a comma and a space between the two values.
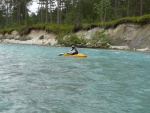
[15, 13]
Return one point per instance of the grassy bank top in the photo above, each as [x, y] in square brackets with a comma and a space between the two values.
[66, 29]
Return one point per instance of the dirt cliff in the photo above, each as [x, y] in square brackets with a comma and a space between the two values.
[133, 36]
[124, 36]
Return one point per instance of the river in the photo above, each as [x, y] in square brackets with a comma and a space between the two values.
[34, 79]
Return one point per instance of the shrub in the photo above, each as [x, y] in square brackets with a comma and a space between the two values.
[72, 39]
[99, 40]
[8, 30]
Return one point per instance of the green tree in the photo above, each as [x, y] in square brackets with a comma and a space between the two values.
[103, 9]
[33, 19]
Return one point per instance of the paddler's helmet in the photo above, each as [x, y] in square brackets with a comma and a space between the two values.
[73, 46]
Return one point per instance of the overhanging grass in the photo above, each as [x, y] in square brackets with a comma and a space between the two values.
[8, 30]
[141, 20]
[54, 28]
[62, 29]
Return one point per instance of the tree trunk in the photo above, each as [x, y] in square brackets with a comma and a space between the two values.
[141, 7]
[18, 12]
[116, 9]
[7, 14]
[46, 19]
[41, 12]
[25, 8]
[79, 11]
[58, 11]
[128, 5]
[135, 8]
[51, 11]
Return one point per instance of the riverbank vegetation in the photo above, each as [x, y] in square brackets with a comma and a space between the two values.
[98, 40]
[66, 28]
[63, 29]
[72, 39]
[70, 16]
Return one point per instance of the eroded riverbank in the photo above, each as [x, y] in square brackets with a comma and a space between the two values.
[124, 37]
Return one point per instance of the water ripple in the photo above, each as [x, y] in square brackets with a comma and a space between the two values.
[34, 79]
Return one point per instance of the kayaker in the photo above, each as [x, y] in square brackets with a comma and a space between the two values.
[73, 50]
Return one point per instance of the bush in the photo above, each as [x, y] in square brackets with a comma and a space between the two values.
[72, 39]
[8, 30]
[59, 29]
[99, 40]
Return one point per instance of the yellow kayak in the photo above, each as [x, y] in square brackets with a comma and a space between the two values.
[76, 55]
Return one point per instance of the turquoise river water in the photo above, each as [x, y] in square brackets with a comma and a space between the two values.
[34, 79]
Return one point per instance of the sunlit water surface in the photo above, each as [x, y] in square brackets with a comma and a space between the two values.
[34, 79]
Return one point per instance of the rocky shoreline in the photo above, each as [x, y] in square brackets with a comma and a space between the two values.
[123, 37]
